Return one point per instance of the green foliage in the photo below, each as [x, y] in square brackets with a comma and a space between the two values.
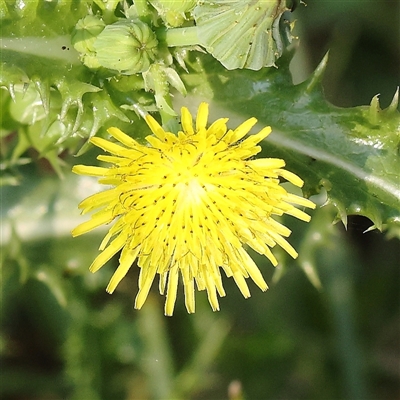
[351, 153]
[64, 337]
[72, 101]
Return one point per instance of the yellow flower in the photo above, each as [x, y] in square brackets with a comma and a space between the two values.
[190, 204]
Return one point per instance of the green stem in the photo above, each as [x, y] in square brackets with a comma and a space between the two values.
[180, 36]
[157, 360]
[192, 377]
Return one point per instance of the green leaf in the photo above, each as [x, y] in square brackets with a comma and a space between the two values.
[352, 153]
[243, 33]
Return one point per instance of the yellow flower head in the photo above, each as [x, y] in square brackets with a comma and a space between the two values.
[189, 204]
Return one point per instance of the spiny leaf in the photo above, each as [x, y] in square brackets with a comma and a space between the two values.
[56, 100]
[51, 106]
[352, 153]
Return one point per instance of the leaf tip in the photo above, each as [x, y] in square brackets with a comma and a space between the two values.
[374, 109]
[309, 268]
[341, 211]
[317, 75]
[43, 88]
[394, 103]
[376, 218]
[11, 90]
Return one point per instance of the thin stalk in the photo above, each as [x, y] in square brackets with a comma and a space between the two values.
[179, 36]
[157, 358]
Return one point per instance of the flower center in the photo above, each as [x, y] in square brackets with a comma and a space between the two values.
[192, 191]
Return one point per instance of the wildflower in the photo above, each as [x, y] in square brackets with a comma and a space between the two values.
[189, 204]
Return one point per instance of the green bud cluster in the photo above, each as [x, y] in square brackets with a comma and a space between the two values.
[149, 40]
[126, 46]
[239, 33]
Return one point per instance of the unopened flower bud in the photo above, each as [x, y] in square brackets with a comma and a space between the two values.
[85, 33]
[126, 46]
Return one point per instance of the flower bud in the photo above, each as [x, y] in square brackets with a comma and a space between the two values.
[84, 36]
[85, 33]
[126, 46]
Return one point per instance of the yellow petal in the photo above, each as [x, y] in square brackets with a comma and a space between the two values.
[243, 129]
[90, 171]
[241, 283]
[171, 290]
[202, 117]
[109, 146]
[122, 137]
[106, 254]
[155, 127]
[291, 177]
[187, 121]
[102, 218]
[125, 264]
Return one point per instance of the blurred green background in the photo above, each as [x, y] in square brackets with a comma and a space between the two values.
[64, 337]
